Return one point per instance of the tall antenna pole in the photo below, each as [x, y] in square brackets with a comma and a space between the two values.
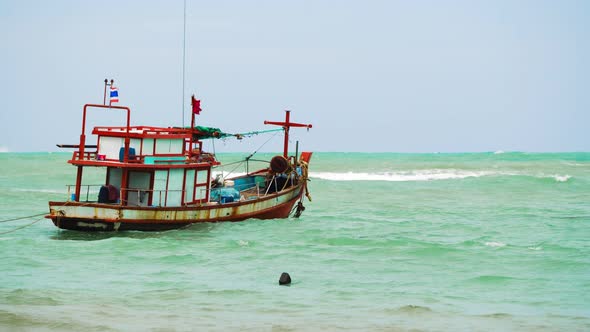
[183, 61]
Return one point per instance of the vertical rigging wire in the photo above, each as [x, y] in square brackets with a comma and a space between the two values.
[183, 61]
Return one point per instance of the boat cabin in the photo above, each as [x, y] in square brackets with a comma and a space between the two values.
[145, 166]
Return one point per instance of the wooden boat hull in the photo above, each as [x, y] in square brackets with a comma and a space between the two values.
[108, 217]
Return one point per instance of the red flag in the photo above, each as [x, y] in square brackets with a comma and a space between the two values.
[196, 105]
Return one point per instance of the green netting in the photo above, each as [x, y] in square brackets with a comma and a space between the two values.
[211, 132]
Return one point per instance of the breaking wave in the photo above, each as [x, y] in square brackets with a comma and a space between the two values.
[424, 175]
[494, 244]
[561, 178]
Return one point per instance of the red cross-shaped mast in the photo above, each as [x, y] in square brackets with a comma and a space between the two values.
[286, 125]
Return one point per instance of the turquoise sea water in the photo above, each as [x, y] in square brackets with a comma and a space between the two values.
[394, 242]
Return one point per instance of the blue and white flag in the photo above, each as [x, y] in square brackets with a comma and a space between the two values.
[114, 94]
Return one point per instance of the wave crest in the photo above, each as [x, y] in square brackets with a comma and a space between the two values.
[420, 175]
[495, 244]
[426, 175]
[561, 178]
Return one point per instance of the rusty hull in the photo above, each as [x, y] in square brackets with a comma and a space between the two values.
[108, 217]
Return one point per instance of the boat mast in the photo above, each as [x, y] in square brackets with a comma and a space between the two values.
[286, 125]
[183, 61]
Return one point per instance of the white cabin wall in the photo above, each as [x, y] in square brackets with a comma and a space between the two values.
[169, 146]
[160, 182]
[136, 144]
[175, 182]
[110, 146]
[139, 186]
[189, 184]
[148, 147]
[202, 185]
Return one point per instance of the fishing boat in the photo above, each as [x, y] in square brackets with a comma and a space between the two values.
[159, 178]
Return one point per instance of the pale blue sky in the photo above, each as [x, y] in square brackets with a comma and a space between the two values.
[400, 76]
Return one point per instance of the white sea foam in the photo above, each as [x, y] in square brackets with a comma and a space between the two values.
[574, 164]
[561, 178]
[495, 244]
[499, 152]
[425, 175]
[556, 177]
[418, 175]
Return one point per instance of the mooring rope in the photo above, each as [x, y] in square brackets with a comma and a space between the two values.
[21, 218]
[32, 216]
[21, 227]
